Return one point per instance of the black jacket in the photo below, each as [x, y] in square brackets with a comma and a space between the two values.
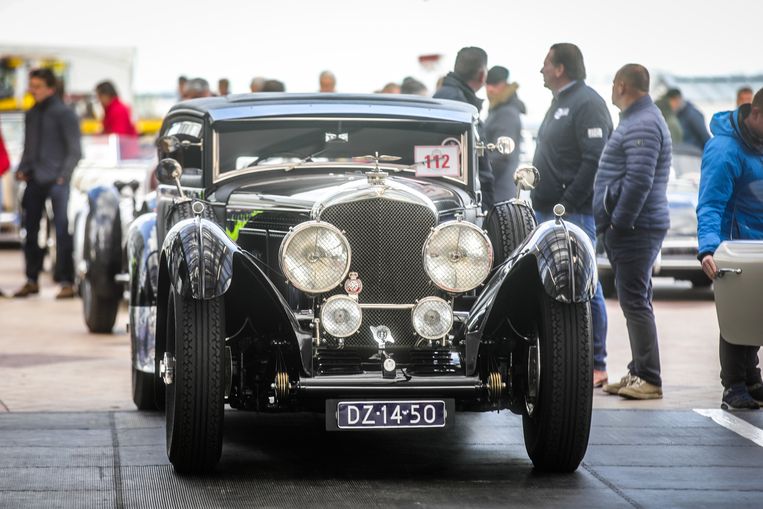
[570, 141]
[51, 142]
[504, 120]
[456, 89]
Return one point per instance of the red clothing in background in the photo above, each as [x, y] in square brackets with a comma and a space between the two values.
[116, 119]
[5, 162]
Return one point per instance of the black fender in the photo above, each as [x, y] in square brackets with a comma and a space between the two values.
[253, 296]
[103, 240]
[198, 255]
[143, 260]
[557, 258]
[143, 267]
[249, 296]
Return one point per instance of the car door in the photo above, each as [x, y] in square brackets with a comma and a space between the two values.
[739, 291]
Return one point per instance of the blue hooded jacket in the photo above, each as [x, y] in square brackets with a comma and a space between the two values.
[731, 187]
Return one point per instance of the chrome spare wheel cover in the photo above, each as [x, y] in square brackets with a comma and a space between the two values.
[533, 378]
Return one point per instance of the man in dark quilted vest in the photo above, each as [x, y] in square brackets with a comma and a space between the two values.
[631, 211]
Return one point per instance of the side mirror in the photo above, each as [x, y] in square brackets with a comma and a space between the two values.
[168, 171]
[168, 144]
[503, 145]
[526, 178]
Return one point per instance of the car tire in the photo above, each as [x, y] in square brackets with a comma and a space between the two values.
[143, 390]
[508, 224]
[100, 312]
[196, 397]
[557, 427]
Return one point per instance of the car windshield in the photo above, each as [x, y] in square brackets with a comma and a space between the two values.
[289, 142]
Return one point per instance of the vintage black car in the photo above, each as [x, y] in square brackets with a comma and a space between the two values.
[329, 253]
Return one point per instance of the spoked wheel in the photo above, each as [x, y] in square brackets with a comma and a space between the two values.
[558, 391]
[193, 371]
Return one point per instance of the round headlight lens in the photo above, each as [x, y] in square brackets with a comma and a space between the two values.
[432, 318]
[315, 257]
[341, 316]
[457, 256]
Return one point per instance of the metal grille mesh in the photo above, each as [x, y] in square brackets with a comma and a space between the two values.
[386, 238]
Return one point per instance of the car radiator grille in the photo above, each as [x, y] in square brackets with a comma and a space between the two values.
[386, 238]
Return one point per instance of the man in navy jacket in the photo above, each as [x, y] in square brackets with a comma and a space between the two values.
[631, 207]
[570, 141]
[692, 120]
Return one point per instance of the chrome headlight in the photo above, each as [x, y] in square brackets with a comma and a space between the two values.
[315, 257]
[341, 316]
[432, 318]
[457, 256]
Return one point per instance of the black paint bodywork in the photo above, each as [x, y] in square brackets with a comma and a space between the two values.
[268, 330]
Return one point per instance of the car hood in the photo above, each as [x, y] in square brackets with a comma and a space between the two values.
[311, 192]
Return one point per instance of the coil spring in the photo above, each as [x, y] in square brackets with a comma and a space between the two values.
[282, 385]
[494, 386]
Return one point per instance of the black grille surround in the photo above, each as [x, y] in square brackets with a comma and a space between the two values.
[387, 238]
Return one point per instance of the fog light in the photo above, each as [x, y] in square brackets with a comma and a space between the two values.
[341, 316]
[432, 318]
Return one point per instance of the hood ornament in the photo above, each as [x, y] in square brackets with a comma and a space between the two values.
[376, 176]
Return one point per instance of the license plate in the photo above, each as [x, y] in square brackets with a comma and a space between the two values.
[391, 414]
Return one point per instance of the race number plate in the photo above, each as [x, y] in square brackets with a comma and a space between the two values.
[437, 161]
[391, 414]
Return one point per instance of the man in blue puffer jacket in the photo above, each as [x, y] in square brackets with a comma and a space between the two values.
[631, 211]
[731, 207]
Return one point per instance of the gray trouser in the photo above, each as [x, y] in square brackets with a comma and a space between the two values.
[632, 254]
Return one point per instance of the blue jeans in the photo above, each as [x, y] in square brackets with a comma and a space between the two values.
[598, 307]
[632, 254]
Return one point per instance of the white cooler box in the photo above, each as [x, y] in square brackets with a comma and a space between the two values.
[739, 291]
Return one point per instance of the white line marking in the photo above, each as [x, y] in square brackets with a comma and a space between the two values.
[733, 423]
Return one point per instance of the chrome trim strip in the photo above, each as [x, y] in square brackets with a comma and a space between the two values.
[387, 306]
[330, 118]
[215, 155]
[261, 230]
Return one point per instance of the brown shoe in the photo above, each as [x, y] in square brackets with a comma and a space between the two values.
[614, 388]
[66, 292]
[599, 378]
[640, 389]
[28, 289]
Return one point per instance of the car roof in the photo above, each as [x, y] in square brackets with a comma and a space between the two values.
[273, 104]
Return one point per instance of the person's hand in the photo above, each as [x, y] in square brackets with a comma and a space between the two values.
[709, 267]
[21, 176]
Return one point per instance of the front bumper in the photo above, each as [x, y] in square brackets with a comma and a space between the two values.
[374, 385]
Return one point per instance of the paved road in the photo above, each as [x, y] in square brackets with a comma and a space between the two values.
[69, 436]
